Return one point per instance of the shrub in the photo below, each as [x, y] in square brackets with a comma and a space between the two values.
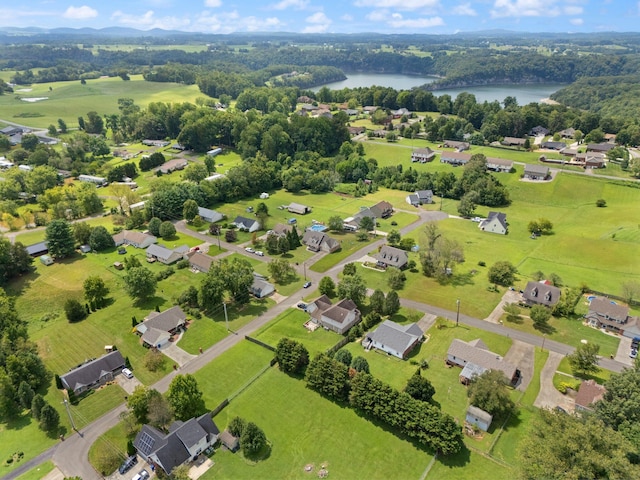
[182, 264]
[74, 310]
[601, 202]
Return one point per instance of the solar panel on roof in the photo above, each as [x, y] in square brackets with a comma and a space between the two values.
[146, 443]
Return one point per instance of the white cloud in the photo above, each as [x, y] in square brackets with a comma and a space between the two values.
[573, 10]
[317, 18]
[286, 4]
[231, 21]
[212, 3]
[399, 4]
[148, 20]
[576, 21]
[80, 13]
[398, 22]
[346, 18]
[378, 16]
[319, 23]
[525, 8]
[464, 9]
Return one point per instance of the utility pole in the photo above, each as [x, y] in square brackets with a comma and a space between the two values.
[304, 267]
[66, 405]
[226, 317]
[458, 312]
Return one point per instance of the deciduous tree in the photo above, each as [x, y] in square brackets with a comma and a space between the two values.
[376, 301]
[100, 239]
[327, 286]
[584, 360]
[502, 273]
[140, 283]
[391, 303]
[292, 356]
[395, 278]
[74, 310]
[540, 315]
[190, 210]
[490, 392]
[353, 287]
[419, 387]
[252, 440]
[185, 397]
[95, 290]
[167, 230]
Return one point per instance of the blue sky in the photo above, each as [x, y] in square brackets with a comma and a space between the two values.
[329, 16]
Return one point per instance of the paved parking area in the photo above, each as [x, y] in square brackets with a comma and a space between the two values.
[128, 384]
[549, 397]
[624, 348]
[522, 356]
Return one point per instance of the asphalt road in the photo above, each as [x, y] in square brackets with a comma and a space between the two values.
[71, 455]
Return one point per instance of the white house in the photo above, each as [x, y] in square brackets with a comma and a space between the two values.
[395, 339]
[209, 215]
[495, 222]
[248, 224]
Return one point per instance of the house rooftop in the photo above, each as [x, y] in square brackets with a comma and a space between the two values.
[589, 393]
[481, 357]
[541, 293]
[90, 372]
[397, 337]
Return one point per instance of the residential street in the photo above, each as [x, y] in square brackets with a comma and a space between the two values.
[71, 456]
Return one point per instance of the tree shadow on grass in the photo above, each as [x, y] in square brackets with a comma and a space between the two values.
[456, 280]
[22, 283]
[150, 303]
[517, 319]
[545, 328]
[459, 460]
[263, 454]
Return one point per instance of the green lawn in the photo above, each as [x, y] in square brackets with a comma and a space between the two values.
[209, 329]
[68, 100]
[469, 465]
[113, 440]
[225, 376]
[22, 434]
[348, 245]
[290, 324]
[567, 375]
[39, 472]
[305, 428]
[570, 331]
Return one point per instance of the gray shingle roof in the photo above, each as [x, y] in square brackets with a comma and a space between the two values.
[167, 320]
[91, 372]
[397, 337]
[542, 294]
[392, 256]
[466, 353]
[479, 413]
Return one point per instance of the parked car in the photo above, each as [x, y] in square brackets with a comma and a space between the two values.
[634, 353]
[141, 475]
[128, 464]
[249, 249]
[127, 373]
[302, 305]
[306, 285]
[259, 253]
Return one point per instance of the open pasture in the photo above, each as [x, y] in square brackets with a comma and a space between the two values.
[68, 100]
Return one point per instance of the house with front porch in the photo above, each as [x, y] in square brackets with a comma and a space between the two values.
[541, 293]
[603, 313]
[94, 373]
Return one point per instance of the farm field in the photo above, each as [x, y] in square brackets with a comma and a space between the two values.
[67, 99]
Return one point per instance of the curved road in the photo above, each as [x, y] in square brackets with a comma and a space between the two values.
[71, 456]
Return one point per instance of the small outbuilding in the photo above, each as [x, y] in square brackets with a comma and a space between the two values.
[46, 260]
[479, 418]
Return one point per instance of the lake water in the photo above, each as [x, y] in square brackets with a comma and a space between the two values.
[523, 93]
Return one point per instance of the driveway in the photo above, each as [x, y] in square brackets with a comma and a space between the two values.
[128, 384]
[175, 353]
[624, 348]
[522, 356]
[510, 296]
[549, 397]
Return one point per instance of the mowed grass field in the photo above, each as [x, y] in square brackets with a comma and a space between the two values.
[305, 428]
[67, 100]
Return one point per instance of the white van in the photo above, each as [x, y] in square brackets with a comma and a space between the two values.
[141, 475]
[127, 373]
